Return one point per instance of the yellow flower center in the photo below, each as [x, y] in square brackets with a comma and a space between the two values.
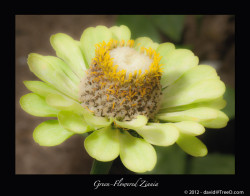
[120, 62]
[128, 79]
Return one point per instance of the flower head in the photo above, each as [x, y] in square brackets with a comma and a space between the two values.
[122, 82]
[128, 94]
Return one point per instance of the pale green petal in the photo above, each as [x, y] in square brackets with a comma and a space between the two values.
[36, 106]
[218, 103]
[97, 122]
[160, 134]
[50, 133]
[120, 33]
[195, 114]
[136, 154]
[78, 43]
[73, 122]
[140, 121]
[206, 90]
[190, 128]
[219, 122]
[199, 73]
[175, 63]
[199, 84]
[53, 73]
[165, 48]
[145, 42]
[41, 88]
[192, 145]
[208, 117]
[64, 103]
[92, 36]
[65, 68]
[103, 144]
[70, 52]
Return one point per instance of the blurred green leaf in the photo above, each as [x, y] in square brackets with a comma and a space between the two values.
[229, 96]
[199, 17]
[213, 164]
[140, 26]
[170, 160]
[189, 47]
[171, 25]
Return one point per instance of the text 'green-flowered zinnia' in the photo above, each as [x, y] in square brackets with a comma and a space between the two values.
[128, 94]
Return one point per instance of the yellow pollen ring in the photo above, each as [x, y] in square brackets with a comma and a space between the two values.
[105, 62]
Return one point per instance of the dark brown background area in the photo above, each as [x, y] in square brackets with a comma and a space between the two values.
[214, 42]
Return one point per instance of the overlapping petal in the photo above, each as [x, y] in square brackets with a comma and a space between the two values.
[55, 72]
[192, 145]
[51, 133]
[190, 128]
[67, 70]
[67, 49]
[120, 33]
[37, 106]
[64, 103]
[218, 103]
[136, 154]
[73, 122]
[108, 143]
[97, 122]
[40, 88]
[199, 84]
[175, 63]
[208, 117]
[165, 48]
[145, 42]
[92, 36]
[196, 114]
[160, 134]
[103, 144]
[219, 122]
[134, 124]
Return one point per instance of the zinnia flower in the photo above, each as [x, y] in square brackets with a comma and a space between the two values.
[127, 94]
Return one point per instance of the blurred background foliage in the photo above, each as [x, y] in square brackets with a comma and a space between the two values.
[172, 160]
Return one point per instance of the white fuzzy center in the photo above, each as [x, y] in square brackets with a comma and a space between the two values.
[130, 60]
